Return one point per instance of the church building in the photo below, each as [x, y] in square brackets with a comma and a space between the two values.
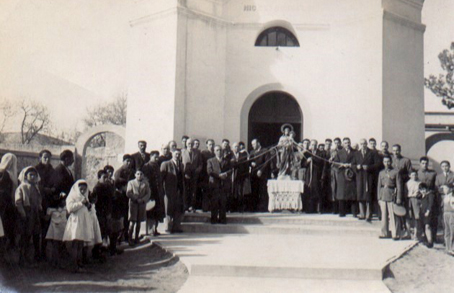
[239, 69]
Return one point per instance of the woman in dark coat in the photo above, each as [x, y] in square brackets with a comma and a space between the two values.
[8, 185]
[153, 174]
[45, 172]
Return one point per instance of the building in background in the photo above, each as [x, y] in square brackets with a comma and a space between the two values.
[240, 69]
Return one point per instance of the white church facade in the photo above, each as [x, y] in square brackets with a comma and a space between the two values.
[239, 69]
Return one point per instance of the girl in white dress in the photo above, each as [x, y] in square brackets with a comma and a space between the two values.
[56, 230]
[79, 228]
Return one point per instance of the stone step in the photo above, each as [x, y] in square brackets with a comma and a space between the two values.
[286, 272]
[287, 219]
[278, 229]
[211, 284]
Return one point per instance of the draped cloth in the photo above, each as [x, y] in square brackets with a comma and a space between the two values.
[285, 195]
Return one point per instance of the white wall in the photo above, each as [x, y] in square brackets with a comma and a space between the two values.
[335, 74]
[152, 77]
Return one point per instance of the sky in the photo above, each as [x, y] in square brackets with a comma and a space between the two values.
[72, 54]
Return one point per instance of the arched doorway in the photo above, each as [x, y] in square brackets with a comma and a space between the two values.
[269, 112]
[89, 159]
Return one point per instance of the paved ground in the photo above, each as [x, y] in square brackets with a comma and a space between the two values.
[273, 262]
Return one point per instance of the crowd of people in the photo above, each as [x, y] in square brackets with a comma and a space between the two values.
[49, 208]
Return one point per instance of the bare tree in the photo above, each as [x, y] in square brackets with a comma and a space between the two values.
[35, 119]
[110, 113]
[6, 112]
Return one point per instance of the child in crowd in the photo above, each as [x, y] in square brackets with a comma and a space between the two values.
[414, 203]
[58, 219]
[110, 172]
[118, 199]
[103, 192]
[96, 241]
[448, 218]
[138, 192]
[79, 229]
[28, 203]
[427, 212]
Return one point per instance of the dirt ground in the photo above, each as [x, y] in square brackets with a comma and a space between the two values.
[422, 270]
[143, 268]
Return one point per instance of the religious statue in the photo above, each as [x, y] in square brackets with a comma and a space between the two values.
[285, 155]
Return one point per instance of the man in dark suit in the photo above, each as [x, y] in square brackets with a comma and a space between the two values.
[240, 173]
[207, 154]
[173, 185]
[260, 173]
[192, 164]
[364, 163]
[218, 168]
[63, 178]
[141, 157]
[314, 169]
[346, 185]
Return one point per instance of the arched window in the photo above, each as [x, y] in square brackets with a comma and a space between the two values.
[276, 36]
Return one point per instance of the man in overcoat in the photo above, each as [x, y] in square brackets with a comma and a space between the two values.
[260, 173]
[364, 162]
[173, 184]
[219, 170]
[192, 164]
[346, 185]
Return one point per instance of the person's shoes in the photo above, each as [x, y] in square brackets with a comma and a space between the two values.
[137, 241]
[177, 231]
[156, 233]
[361, 218]
[396, 238]
[383, 237]
[223, 222]
[341, 216]
[369, 220]
[429, 245]
[406, 237]
[131, 243]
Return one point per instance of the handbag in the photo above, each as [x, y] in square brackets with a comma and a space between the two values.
[150, 205]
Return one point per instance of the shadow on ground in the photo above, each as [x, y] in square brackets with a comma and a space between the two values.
[145, 268]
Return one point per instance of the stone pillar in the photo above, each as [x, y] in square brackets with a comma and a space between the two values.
[403, 75]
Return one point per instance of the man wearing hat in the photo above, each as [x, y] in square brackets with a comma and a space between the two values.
[389, 191]
[346, 184]
[63, 178]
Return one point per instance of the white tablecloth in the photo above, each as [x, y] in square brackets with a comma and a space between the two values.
[285, 195]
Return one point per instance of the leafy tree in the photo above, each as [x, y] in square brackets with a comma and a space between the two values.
[443, 85]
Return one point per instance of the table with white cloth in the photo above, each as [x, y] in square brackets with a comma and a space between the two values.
[285, 195]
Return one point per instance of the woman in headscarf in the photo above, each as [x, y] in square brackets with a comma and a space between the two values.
[8, 185]
[79, 229]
